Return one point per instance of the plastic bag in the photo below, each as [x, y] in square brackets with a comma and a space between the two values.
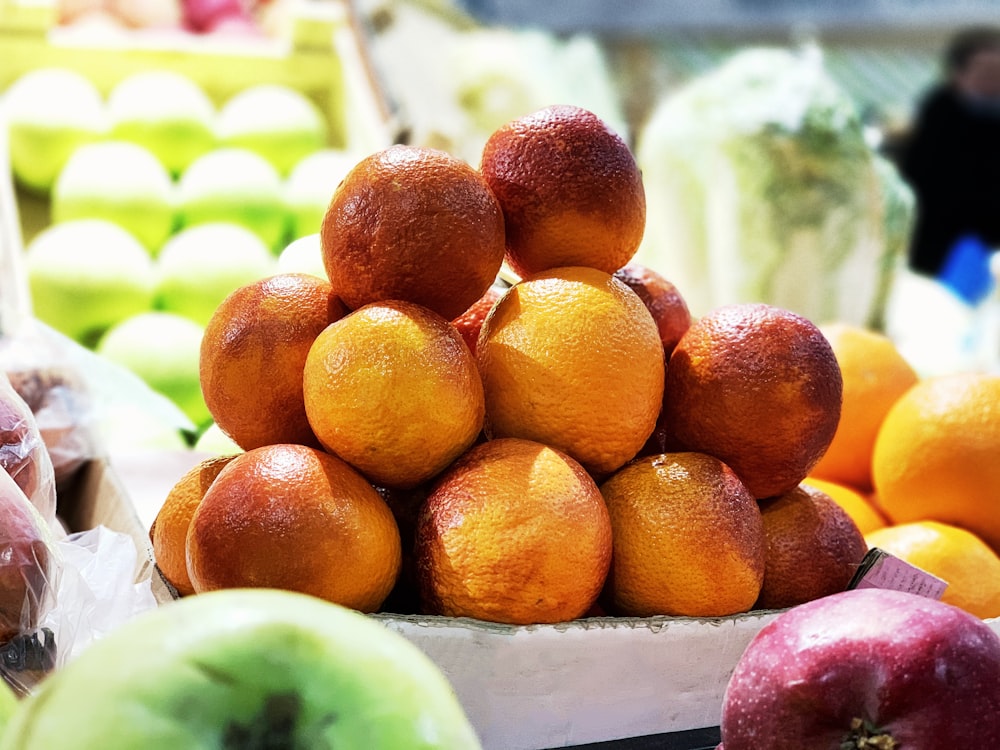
[23, 453]
[74, 394]
[30, 565]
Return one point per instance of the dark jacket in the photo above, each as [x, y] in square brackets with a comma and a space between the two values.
[952, 161]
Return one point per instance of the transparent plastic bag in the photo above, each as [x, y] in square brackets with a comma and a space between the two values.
[23, 453]
[30, 564]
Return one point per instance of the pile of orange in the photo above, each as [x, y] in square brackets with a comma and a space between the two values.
[566, 442]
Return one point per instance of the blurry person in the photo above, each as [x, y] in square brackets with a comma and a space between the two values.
[952, 158]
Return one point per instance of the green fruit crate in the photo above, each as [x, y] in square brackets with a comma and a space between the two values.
[324, 57]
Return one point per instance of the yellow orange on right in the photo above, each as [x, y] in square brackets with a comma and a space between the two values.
[960, 558]
[875, 375]
[937, 455]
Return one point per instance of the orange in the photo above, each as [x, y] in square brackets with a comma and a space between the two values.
[936, 455]
[252, 355]
[688, 538]
[293, 517]
[471, 321]
[812, 548]
[570, 190]
[514, 532]
[759, 388]
[964, 561]
[414, 224]
[862, 511]
[875, 374]
[394, 391]
[572, 358]
[168, 532]
[662, 299]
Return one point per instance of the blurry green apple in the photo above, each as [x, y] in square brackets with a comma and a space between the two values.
[304, 255]
[127, 427]
[279, 123]
[163, 349]
[167, 112]
[213, 440]
[234, 185]
[310, 186]
[201, 265]
[50, 113]
[8, 704]
[246, 668]
[86, 275]
[121, 182]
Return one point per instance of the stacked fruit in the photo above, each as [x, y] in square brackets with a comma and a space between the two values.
[418, 438]
[162, 204]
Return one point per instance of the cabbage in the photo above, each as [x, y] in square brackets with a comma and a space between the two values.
[761, 187]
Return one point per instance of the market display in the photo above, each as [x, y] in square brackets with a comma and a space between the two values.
[563, 383]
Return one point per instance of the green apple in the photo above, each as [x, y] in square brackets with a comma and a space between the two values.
[163, 349]
[279, 123]
[304, 255]
[8, 704]
[310, 186]
[121, 182]
[50, 113]
[167, 112]
[246, 668]
[126, 427]
[87, 275]
[202, 265]
[213, 440]
[235, 185]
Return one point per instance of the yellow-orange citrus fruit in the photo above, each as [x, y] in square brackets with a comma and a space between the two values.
[936, 455]
[413, 224]
[662, 299]
[394, 391]
[168, 532]
[865, 514]
[570, 190]
[293, 517]
[471, 321]
[572, 358]
[875, 374]
[513, 532]
[688, 538]
[253, 352]
[812, 548]
[759, 388]
[964, 561]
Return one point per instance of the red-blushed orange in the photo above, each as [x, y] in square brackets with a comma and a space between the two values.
[416, 224]
[295, 518]
[253, 353]
[663, 300]
[812, 548]
[758, 387]
[570, 190]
